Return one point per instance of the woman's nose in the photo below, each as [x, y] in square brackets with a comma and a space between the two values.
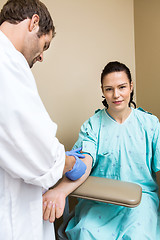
[116, 93]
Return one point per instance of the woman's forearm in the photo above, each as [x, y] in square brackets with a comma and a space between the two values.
[54, 199]
[68, 186]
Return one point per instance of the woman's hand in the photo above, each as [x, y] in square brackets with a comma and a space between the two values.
[53, 204]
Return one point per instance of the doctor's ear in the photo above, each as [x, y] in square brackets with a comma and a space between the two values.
[34, 23]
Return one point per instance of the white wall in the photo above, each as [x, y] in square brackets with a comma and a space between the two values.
[89, 34]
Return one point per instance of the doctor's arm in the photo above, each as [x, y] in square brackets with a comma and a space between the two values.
[54, 199]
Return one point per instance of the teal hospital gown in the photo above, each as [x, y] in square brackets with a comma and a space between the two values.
[129, 152]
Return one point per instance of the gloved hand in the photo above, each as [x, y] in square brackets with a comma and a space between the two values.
[75, 153]
[77, 171]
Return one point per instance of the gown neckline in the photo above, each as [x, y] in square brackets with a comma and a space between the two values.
[113, 120]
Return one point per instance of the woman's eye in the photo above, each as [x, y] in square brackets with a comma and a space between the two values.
[122, 87]
[108, 89]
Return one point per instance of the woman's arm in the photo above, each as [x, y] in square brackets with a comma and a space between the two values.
[54, 199]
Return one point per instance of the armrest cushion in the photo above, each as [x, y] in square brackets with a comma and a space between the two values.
[109, 191]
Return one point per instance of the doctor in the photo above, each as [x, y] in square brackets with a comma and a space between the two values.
[31, 157]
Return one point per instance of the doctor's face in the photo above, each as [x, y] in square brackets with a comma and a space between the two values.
[117, 89]
[35, 47]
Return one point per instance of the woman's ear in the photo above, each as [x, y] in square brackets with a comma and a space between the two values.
[34, 23]
[131, 85]
[102, 88]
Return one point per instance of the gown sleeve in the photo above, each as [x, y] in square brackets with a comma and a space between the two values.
[156, 148]
[29, 147]
[88, 138]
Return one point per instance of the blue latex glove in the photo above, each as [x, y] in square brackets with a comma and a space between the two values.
[75, 153]
[77, 171]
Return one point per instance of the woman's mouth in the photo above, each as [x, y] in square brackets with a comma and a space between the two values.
[117, 102]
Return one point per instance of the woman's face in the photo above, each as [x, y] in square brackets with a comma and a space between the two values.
[117, 89]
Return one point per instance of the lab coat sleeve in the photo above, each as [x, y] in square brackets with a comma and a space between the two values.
[29, 147]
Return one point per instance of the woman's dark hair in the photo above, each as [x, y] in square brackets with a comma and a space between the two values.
[117, 67]
[15, 11]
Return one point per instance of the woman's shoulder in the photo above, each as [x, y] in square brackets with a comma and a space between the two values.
[95, 120]
[145, 117]
[97, 115]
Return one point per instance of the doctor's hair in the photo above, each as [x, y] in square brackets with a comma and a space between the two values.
[117, 67]
[15, 11]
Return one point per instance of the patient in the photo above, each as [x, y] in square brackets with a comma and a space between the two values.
[119, 142]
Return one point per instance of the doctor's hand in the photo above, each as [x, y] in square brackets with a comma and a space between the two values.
[76, 153]
[79, 167]
[53, 204]
[71, 157]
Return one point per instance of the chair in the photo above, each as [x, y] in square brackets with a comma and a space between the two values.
[105, 190]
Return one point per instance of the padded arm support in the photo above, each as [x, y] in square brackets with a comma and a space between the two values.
[110, 191]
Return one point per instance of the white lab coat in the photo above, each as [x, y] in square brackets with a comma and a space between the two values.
[31, 157]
